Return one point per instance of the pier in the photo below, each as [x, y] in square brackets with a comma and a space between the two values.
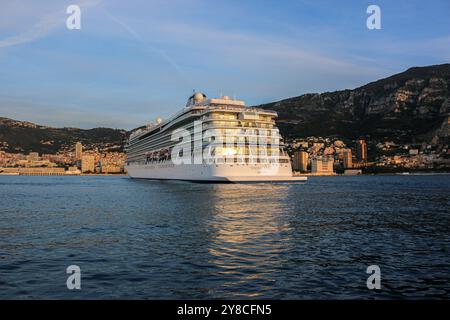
[35, 171]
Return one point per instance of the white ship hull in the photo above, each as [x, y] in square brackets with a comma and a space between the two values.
[230, 143]
[214, 172]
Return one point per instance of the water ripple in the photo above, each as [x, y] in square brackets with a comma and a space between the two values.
[159, 240]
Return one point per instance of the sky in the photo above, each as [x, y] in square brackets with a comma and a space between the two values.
[133, 61]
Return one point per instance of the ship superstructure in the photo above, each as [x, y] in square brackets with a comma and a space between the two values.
[215, 140]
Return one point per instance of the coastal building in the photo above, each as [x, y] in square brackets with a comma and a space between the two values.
[78, 151]
[322, 166]
[33, 156]
[34, 171]
[348, 159]
[72, 170]
[3, 158]
[300, 162]
[361, 150]
[110, 168]
[112, 162]
[88, 164]
[316, 147]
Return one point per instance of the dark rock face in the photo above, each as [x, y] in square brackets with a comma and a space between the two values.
[410, 106]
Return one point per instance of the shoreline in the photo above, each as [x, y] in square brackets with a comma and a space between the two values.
[423, 173]
[295, 175]
[65, 175]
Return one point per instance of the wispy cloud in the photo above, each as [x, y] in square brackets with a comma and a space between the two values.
[138, 60]
[137, 37]
[45, 25]
[268, 58]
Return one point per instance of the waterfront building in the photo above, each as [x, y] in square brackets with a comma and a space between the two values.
[348, 159]
[322, 166]
[112, 162]
[300, 162]
[33, 171]
[33, 156]
[361, 150]
[88, 164]
[73, 170]
[78, 151]
[110, 168]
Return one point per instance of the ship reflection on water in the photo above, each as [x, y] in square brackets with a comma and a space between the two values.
[248, 236]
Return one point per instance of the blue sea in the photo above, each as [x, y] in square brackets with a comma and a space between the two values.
[135, 239]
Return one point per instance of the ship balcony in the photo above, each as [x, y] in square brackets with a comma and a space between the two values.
[239, 124]
[253, 159]
[235, 117]
[273, 133]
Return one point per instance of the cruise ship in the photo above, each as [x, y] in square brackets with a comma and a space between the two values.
[211, 140]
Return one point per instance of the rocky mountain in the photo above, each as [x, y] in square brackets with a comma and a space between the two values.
[21, 136]
[412, 106]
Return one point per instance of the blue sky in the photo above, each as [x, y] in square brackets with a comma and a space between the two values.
[133, 61]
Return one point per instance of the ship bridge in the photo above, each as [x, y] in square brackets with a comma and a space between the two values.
[200, 99]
